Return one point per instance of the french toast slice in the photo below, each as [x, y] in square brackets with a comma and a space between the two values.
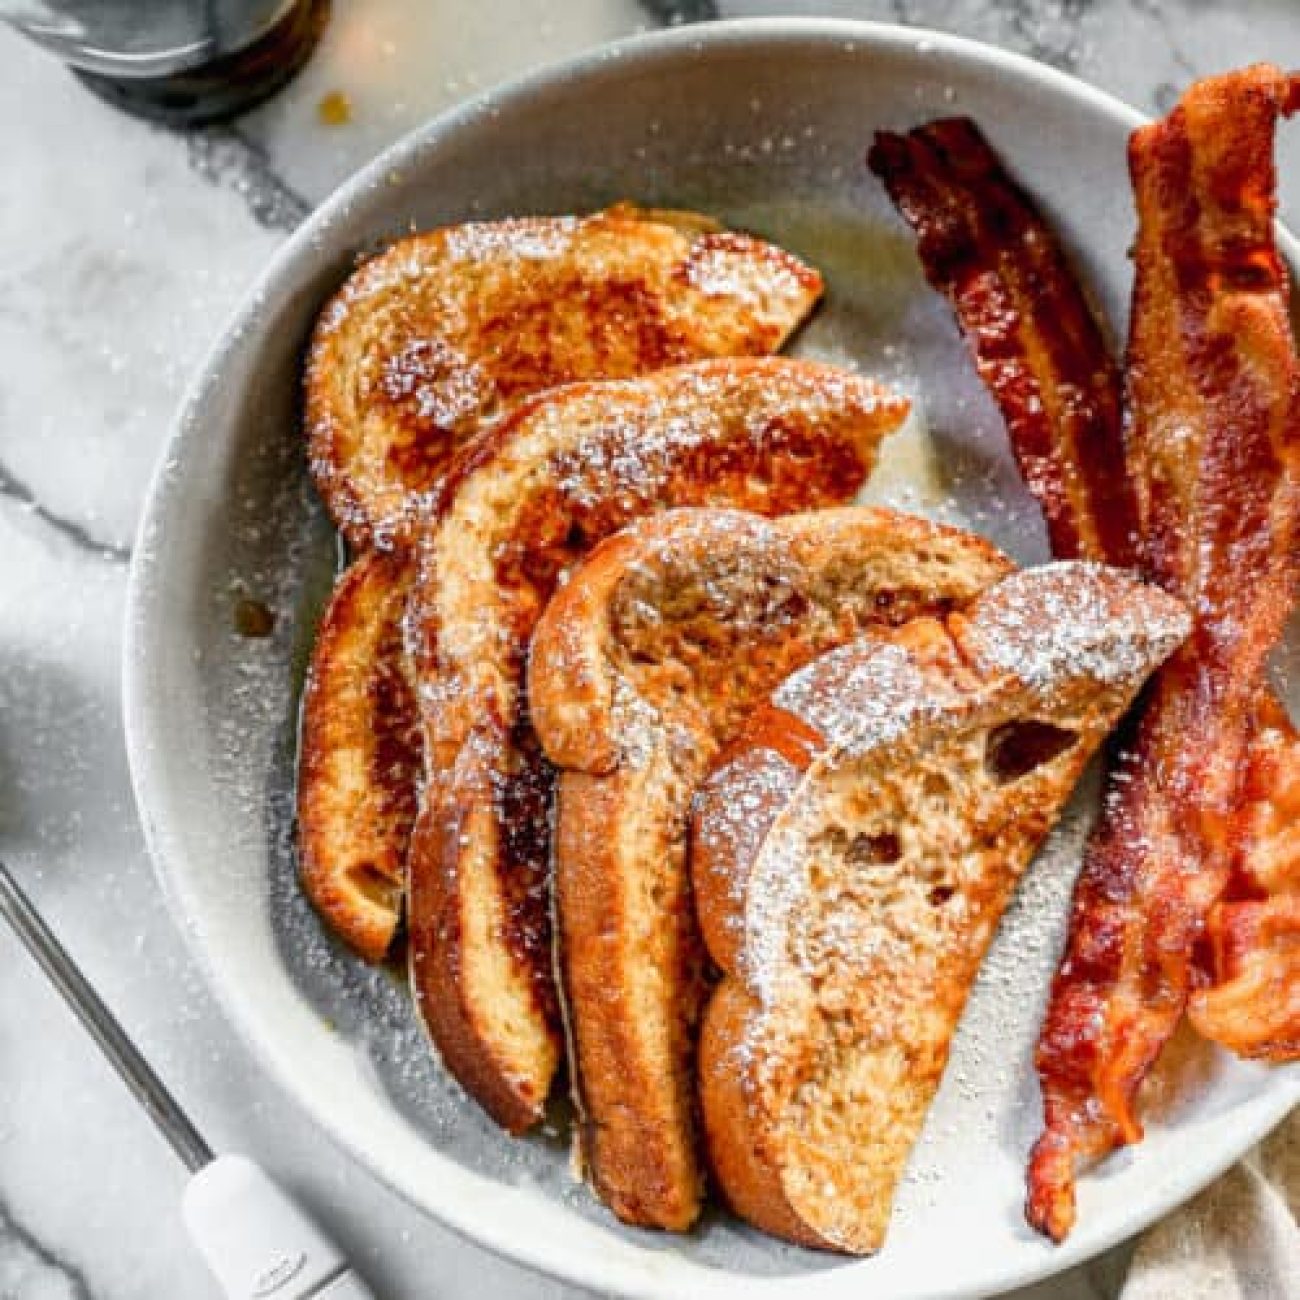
[435, 337]
[359, 757]
[421, 349]
[643, 667]
[852, 857]
[566, 470]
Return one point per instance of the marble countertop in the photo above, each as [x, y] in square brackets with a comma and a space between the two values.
[122, 249]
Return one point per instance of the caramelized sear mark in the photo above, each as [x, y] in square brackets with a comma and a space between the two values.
[359, 756]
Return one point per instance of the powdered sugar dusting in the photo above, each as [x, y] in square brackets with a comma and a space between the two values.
[862, 694]
[724, 267]
[1073, 621]
[405, 263]
[639, 724]
[599, 456]
[637, 432]
[428, 342]
[854, 699]
[754, 790]
[445, 387]
[871, 900]
[424, 260]
[777, 885]
[531, 238]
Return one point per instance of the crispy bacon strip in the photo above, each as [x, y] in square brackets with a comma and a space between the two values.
[1251, 1003]
[1035, 339]
[1213, 447]
[986, 248]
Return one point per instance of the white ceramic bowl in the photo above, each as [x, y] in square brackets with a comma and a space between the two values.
[764, 123]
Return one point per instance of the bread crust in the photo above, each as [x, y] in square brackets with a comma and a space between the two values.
[808, 1035]
[661, 1192]
[633, 713]
[359, 758]
[443, 332]
[564, 471]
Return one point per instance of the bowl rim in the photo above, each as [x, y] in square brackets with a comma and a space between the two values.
[165, 845]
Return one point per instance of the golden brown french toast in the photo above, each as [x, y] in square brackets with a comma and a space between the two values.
[359, 757]
[643, 667]
[422, 349]
[568, 469]
[852, 857]
[440, 333]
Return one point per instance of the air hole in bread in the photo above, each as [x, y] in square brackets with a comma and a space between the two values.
[1017, 748]
[373, 884]
[880, 849]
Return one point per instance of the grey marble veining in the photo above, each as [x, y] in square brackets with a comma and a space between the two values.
[122, 249]
[228, 156]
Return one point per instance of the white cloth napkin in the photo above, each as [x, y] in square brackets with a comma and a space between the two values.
[1238, 1240]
